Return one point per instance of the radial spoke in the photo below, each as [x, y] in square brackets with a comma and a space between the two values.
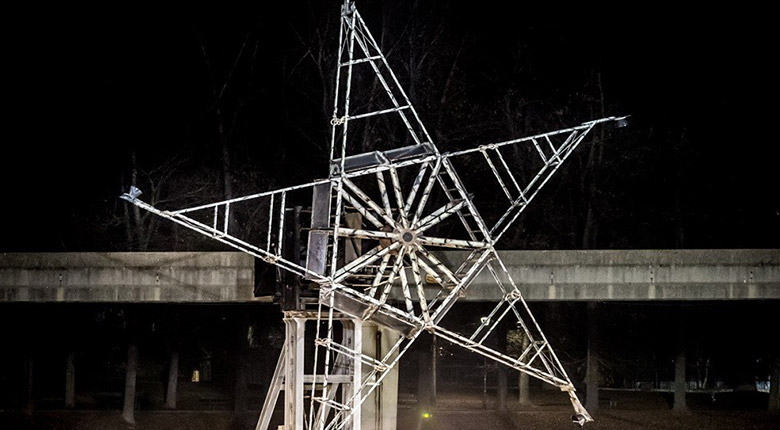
[430, 271]
[362, 210]
[397, 267]
[365, 234]
[452, 243]
[420, 286]
[380, 181]
[405, 289]
[399, 198]
[415, 186]
[438, 265]
[363, 196]
[440, 215]
[426, 192]
[365, 259]
[379, 274]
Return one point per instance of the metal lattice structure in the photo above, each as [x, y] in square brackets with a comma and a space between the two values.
[376, 223]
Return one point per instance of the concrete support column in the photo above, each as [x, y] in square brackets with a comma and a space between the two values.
[130, 380]
[592, 376]
[173, 379]
[524, 397]
[352, 338]
[293, 384]
[680, 387]
[774, 386]
[381, 407]
[70, 380]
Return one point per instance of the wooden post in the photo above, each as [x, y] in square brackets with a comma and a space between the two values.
[130, 379]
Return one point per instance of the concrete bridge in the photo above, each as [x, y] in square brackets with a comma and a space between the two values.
[641, 275]
[127, 277]
[228, 277]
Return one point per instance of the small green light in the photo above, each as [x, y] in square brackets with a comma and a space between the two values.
[426, 415]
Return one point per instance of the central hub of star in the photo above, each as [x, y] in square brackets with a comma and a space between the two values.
[407, 237]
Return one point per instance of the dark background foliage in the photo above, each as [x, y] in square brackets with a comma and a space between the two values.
[200, 102]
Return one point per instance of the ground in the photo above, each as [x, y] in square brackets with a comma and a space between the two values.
[440, 420]
[621, 411]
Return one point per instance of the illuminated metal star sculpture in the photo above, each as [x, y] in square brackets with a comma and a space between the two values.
[379, 223]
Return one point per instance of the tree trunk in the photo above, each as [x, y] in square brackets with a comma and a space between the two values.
[589, 176]
[502, 387]
[130, 378]
[141, 241]
[680, 388]
[173, 378]
[524, 396]
[501, 331]
[227, 173]
[434, 370]
[29, 404]
[424, 394]
[774, 387]
[679, 194]
[592, 376]
[240, 402]
[240, 391]
[70, 381]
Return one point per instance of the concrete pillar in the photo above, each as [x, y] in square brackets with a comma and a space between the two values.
[592, 376]
[524, 396]
[130, 380]
[352, 338]
[680, 387]
[70, 380]
[774, 386]
[293, 384]
[29, 382]
[173, 379]
[381, 407]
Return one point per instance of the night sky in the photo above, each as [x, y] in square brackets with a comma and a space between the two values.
[89, 86]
